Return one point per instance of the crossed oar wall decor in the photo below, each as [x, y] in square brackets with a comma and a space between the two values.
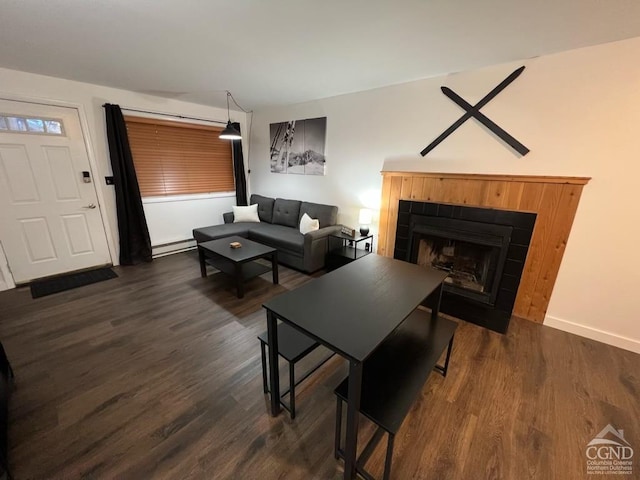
[474, 111]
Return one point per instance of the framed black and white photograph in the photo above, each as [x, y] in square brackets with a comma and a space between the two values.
[297, 146]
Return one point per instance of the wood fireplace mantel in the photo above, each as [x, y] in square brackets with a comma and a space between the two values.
[554, 199]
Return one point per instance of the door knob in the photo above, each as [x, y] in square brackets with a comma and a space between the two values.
[91, 205]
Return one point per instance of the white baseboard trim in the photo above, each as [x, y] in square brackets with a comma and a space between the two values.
[174, 247]
[593, 333]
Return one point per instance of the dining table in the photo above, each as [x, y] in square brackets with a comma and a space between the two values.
[351, 311]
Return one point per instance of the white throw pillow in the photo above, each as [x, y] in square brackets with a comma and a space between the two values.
[308, 224]
[246, 214]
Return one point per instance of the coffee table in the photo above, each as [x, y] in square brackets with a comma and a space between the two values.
[237, 262]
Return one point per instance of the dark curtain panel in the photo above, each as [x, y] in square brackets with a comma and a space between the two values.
[238, 170]
[135, 244]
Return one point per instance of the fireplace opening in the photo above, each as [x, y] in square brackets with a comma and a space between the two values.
[472, 252]
[468, 264]
[484, 251]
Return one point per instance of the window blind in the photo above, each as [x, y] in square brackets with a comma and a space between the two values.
[175, 158]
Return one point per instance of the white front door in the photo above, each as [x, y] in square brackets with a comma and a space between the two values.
[50, 220]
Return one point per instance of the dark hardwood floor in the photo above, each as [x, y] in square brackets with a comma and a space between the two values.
[156, 374]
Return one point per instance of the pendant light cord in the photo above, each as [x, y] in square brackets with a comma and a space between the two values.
[250, 112]
[236, 103]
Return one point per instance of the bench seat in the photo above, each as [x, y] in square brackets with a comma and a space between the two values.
[395, 374]
[293, 346]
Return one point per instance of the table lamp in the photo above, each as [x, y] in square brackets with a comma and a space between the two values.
[364, 220]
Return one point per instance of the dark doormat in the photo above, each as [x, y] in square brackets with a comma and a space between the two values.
[67, 282]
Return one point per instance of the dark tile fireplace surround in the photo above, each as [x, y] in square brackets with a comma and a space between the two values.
[484, 250]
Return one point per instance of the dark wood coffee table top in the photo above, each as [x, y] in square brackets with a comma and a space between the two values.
[249, 250]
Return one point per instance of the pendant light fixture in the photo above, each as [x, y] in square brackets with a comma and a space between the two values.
[230, 132]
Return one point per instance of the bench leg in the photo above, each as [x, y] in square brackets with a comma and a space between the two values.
[368, 450]
[265, 387]
[446, 361]
[387, 462]
[292, 390]
[336, 446]
[443, 368]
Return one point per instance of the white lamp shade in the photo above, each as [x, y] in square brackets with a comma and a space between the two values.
[365, 216]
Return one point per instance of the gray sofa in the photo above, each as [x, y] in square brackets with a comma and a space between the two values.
[279, 228]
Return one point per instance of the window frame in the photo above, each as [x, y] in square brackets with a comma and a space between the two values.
[26, 118]
[190, 125]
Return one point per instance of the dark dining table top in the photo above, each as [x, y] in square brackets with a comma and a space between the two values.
[354, 308]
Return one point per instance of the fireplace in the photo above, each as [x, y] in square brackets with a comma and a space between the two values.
[483, 250]
[551, 202]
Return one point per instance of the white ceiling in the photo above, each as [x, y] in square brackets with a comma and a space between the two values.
[270, 52]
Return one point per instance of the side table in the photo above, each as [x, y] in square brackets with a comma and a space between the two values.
[344, 249]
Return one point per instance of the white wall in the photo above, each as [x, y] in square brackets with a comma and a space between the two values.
[171, 220]
[578, 112]
[168, 221]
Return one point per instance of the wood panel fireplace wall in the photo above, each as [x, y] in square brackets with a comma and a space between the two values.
[553, 199]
